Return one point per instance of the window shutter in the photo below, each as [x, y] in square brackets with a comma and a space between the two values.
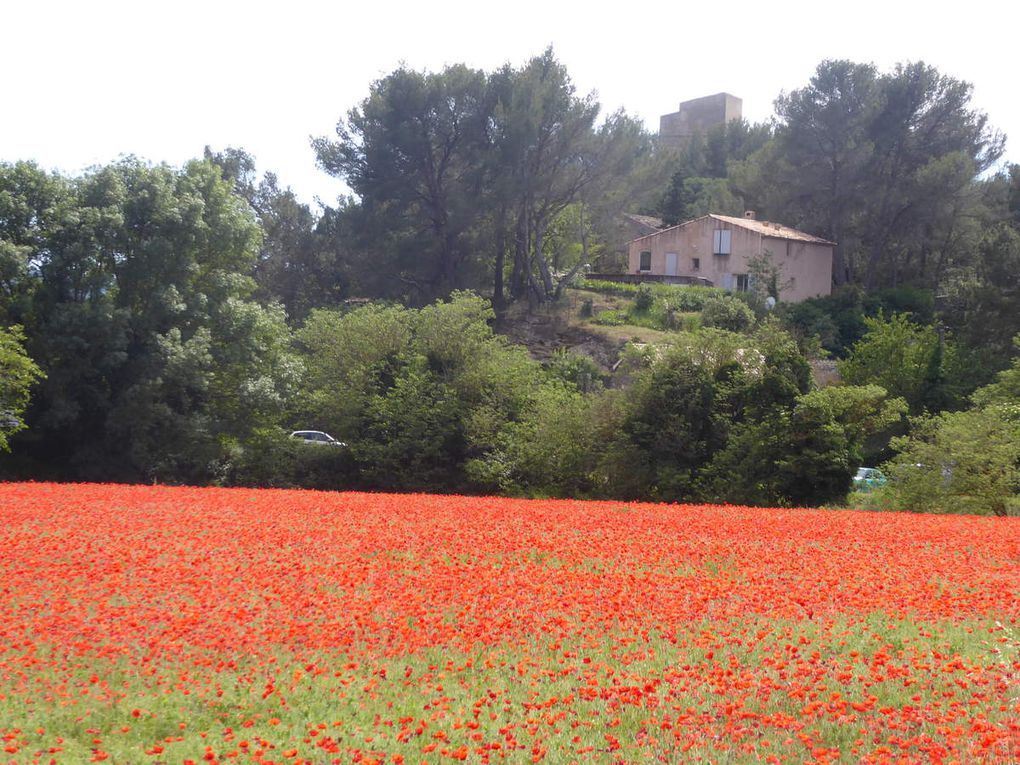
[721, 239]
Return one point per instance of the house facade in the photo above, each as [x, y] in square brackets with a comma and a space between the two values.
[717, 248]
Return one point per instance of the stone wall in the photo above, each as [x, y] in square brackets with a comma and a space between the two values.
[698, 116]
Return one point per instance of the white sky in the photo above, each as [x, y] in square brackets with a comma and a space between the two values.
[86, 81]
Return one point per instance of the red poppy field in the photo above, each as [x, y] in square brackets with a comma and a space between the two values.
[167, 625]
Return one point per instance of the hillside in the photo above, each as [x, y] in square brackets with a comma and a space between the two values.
[559, 326]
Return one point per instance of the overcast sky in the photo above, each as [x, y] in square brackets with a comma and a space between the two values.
[84, 82]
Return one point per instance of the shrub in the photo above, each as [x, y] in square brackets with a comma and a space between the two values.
[727, 312]
[17, 374]
[578, 369]
[910, 361]
[690, 322]
[611, 318]
[691, 298]
[270, 458]
[958, 462]
[643, 298]
[613, 288]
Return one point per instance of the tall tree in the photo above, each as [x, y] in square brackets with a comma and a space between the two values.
[460, 175]
[33, 206]
[301, 262]
[883, 164]
[548, 153]
[822, 149]
[17, 375]
[154, 352]
[700, 182]
[547, 138]
[412, 152]
[983, 298]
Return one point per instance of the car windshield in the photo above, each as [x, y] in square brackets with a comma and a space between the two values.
[862, 473]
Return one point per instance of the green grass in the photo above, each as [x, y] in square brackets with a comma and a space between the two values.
[792, 668]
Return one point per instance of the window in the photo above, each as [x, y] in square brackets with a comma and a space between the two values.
[695, 264]
[721, 241]
[646, 262]
[741, 282]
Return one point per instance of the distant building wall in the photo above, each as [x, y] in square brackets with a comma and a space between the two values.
[807, 264]
[690, 246]
[698, 116]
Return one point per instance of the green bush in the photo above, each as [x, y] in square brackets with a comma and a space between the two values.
[838, 320]
[919, 303]
[579, 370]
[17, 375]
[958, 462]
[270, 458]
[552, 451]
[416, 393]
[643, 298]
[909, 360]
[690, 322]
[689, 298]
[657, 306]
[611, 318]
[608, 287]
[727, 312]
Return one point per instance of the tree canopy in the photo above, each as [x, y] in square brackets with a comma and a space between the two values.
[460, 174]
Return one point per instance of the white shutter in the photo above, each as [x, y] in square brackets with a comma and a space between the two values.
[721, 239]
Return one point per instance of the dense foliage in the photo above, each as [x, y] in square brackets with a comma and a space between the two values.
[175, 324]
[466, 179]
[17, 374]
[136, 302]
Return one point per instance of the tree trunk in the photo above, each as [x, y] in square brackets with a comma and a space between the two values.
[840, 274]
[498, 298]
[519, 273]
[577, 266]
[543, 264]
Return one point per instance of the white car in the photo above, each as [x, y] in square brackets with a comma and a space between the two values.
[316, 437]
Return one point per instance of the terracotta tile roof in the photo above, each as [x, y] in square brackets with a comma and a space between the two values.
[763, 227]
[775, 230]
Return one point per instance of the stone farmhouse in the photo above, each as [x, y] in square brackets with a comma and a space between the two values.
[715, 249]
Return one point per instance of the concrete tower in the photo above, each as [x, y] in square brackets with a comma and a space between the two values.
[697, 116]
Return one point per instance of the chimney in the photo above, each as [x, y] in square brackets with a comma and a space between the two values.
[749, 214]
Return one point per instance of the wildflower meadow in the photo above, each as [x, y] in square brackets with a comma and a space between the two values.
[168, 625]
